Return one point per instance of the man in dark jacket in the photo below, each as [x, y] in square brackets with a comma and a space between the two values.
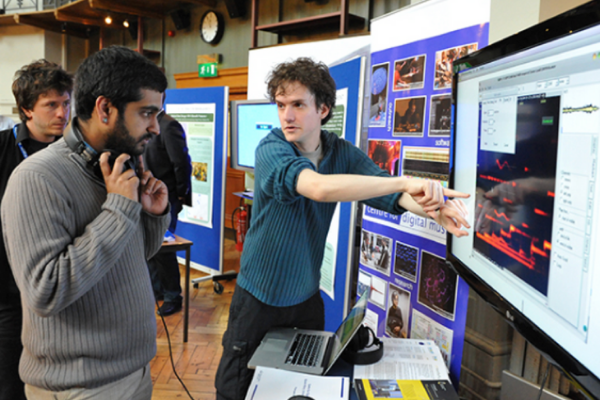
[42, 91]
[168, 159]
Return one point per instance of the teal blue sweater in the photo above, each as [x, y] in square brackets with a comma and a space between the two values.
[284, 247]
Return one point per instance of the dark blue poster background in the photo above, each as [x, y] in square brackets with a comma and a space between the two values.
[414, 293]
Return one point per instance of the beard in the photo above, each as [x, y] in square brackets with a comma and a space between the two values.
[121, 141]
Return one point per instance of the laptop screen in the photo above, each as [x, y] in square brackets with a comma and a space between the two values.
[349, 326]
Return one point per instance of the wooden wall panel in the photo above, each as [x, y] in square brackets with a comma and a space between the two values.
[235, 78]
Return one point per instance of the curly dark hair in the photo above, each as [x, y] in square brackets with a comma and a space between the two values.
[309, 73]
[39, 78]
[117, 73]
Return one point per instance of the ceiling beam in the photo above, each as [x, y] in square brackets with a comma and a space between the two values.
[8, 20]
[124, 7]
[50, 26]
[68, 17]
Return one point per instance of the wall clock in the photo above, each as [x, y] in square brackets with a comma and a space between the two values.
[212, 26]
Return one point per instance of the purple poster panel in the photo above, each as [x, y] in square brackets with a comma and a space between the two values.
[415, 294]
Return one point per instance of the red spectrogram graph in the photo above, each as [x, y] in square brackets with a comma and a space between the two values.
[518, 245]
[504, 164]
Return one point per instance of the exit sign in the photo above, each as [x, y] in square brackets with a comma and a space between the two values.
[207, 70]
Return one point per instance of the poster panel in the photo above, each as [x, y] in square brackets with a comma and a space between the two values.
[203, 114]
[402, 257]
[198, 122]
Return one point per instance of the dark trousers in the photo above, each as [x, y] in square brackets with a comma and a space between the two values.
[164, 268]
[11, 386]
[249, 321]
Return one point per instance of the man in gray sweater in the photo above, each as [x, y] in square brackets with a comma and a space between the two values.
[78, 231]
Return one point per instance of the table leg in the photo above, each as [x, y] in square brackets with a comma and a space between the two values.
[187, 295]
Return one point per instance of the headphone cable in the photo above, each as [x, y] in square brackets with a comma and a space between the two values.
[171, 353]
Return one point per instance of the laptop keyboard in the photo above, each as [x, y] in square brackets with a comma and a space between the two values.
[305, 350]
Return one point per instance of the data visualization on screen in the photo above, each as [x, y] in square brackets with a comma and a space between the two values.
[527, 150]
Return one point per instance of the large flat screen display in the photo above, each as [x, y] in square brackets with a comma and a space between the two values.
[251, 120]
[526, 127]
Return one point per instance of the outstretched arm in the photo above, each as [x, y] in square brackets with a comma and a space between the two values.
[428, 194]
[348, 187]
[426, 197]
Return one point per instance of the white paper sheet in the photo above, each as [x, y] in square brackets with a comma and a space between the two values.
[406, 359]
[277, 384]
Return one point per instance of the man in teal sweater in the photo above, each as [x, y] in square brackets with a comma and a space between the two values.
[301, 173]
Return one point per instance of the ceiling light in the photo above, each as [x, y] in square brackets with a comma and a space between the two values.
[108, 20]
[126, 24]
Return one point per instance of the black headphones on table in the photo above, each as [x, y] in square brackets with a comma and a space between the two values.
[363, 339]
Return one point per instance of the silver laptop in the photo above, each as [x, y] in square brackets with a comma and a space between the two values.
[308, 351]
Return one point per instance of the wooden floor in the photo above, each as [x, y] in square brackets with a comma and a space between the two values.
[195, 361]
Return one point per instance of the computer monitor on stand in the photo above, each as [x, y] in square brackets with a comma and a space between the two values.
[251, 121]
[526, 139]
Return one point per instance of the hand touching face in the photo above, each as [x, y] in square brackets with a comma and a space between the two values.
[137, 185]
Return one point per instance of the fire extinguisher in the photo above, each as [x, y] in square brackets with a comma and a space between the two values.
[241, 227]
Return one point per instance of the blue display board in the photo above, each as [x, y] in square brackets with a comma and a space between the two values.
[207, 251]
[347, 76]
[414, 292]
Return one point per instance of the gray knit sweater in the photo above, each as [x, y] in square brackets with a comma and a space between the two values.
[79, 259]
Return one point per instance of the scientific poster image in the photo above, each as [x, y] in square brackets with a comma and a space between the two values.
[378, 292]
[386, 154]
[437, 285]
[376, 252]
[427, 163]
[409, 73]
[406, 261]
[439, 115]
[396, 325]
[198, 121]
[364, 282]
[443, 64]
[200, 171]
[409, 113]
[423, 327]
[379, 94]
